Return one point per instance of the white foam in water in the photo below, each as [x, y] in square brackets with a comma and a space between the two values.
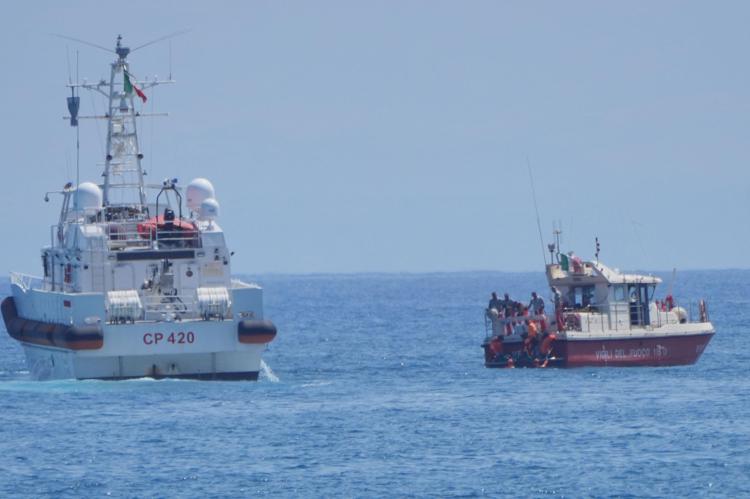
[316, 384]
[267, 373]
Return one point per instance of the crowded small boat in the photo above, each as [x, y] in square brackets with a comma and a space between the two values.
[598, 316]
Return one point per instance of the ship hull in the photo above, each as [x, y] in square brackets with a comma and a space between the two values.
[213, 349]
[46, 363]
[631, 351]
[644, 351]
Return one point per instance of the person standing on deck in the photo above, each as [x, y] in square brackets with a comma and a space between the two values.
[536, 305]
[558, 308]
[507, 304]
[495, 303]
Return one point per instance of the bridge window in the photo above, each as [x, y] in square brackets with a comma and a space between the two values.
[580, 296]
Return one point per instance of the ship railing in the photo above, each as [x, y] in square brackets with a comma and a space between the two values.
[26, 281]
[178, 307]
[121, 235]
[624, 317]
[593, 319]
[178, 238]
[508, 326]
[126, 234]
[171, 307]
[590, 319]
[696, 311]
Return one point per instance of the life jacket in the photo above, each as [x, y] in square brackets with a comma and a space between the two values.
[496, 346]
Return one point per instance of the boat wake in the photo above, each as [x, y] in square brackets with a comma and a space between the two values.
[267, 373]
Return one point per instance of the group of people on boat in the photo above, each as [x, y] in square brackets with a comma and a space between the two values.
[512, 308]
[527, 321]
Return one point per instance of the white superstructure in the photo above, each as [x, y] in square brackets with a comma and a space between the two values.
[132, 285]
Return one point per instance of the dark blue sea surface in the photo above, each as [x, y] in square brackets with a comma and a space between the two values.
[375, 387]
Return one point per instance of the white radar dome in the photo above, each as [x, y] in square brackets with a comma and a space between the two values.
[88, 197]
[198, 190]
[209, 209]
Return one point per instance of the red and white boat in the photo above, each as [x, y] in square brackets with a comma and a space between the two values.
[598, 316]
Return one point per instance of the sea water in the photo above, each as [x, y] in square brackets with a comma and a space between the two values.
[375, 387]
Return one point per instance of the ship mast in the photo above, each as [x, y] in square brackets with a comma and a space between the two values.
[122, 168]
[124, 189]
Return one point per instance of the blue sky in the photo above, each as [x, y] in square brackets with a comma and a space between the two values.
[393, 136]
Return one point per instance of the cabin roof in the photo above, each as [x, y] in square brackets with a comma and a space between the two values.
[594, 273]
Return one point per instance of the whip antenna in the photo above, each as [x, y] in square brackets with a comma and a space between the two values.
[170, 59]
[84, 42]
[165, 37]
[536, 209]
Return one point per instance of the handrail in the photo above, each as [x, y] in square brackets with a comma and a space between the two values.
[24, 281]
[157, 302]
[500, 323]
[126, 234]
[593, 318]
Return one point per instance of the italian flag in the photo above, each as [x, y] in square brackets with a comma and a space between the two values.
[130, 86]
